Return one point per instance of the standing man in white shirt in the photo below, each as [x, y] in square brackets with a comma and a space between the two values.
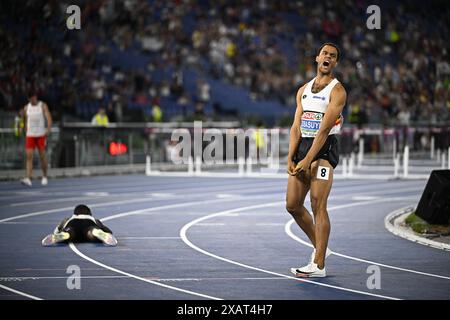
[313, 155]
[35, 113]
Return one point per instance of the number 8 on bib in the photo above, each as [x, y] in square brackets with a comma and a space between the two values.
[323, 173]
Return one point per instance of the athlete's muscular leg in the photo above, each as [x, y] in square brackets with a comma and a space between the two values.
[29, 162]
[43, 159]
[297, 189]
[320, 189]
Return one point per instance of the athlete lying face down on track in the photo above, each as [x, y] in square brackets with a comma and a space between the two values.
[80, 227]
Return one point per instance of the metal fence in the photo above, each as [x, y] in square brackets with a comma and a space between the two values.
[81, 144]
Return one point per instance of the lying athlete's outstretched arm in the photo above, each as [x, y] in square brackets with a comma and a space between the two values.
[60, 226]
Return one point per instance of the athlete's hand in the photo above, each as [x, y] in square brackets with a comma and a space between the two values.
[290, 167]
[302, 166]
[47, 132]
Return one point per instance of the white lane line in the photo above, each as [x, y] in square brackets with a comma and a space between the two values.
[74, 249]
[148, 238]
[219, 188]
[289, 232]
[169, 206]
[95, 205]
[116, 216]
[26, 222]
[20, 279]
[97, 194]
[363, 198]
[347, 186]
[227, 195]
[21, 194]
[215, 187]
[32, 214]
[382, 192]
[223, 278]
[161, 195]
[20, 204]
[157, 195]
[185, 239]
[54, 269]
[146, 211]
[20, 293]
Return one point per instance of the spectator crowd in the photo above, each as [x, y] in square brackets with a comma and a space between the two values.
[398, 74]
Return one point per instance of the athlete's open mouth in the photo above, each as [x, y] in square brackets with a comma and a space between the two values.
[326, 63]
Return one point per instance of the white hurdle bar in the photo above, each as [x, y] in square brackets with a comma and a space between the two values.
[396, 165]
[405, 161]
[241, 166]
[351, 164]
[443, 159]
[191, 166]
[361, 152]
[249, 165]
[432, 148]
[344, 166]
[148, 166]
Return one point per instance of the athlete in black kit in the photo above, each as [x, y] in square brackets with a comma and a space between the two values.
[313, 155]
[80, 227]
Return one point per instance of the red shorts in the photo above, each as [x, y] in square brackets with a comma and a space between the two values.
[35, 142]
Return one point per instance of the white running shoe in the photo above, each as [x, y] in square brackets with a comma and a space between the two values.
[55, 238]
[313, 254]
[105, 237]
[311, 264]
[310, 271]
[26, 182]
[44, 181]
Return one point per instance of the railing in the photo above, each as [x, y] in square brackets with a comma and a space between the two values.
[12, 148]
[81, 144]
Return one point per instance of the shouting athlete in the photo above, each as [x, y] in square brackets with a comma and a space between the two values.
[313, 155]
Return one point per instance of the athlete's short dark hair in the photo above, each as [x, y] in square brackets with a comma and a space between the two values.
[82, 209]
[333, 45]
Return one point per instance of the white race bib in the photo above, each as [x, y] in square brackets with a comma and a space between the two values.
[323, 173]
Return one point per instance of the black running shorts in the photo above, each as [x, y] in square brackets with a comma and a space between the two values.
[78, 229]
[328, 152]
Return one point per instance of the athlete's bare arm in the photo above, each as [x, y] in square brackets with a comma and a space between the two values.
[61, 225]
[337, 102]
[295, 134]
[48, 116]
